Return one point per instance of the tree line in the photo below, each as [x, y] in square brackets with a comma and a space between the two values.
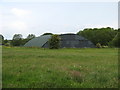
[17, 40]
[98, 36]
[102, 36]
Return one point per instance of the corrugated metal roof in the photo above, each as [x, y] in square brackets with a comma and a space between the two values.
[72, 37]
[67, 40]
[38, 41]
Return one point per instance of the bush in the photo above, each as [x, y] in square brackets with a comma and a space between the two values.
[115, 42]
[98, 45]
[7, 44]
[104, 46]
[54, 42]
[16, 42]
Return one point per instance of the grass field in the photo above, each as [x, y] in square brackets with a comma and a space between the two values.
[63, 68]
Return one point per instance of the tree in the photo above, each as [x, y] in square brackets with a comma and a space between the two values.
[99, 35]
[115, 42]
[30, 36]
[17, 40]
[23, 41]
[47, 34]
[17, 37]
[1, 39]
[54, 42]
[6, 42]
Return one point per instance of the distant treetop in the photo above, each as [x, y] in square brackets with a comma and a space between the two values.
[47, 34]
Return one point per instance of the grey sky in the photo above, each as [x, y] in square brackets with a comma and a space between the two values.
[55, 17]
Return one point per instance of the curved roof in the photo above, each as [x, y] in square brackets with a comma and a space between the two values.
[67, 40]
[38, 41]
[72, 36]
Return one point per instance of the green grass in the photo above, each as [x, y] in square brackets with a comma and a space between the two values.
[62, 68]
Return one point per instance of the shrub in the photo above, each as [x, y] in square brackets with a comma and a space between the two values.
[54, 42]
[7, 44]
[98, 45]
[115, 42]
[104, 46]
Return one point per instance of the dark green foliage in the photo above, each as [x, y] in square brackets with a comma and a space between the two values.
[17, 40]
[7, 42]
[1, 39]
[116, 41]
[30, 36]
[98, 45]
[24, 41]
[17, 37]
[54, 42]
[47, 34]
[101, 35]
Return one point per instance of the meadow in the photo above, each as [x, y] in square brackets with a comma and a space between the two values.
[62, 68]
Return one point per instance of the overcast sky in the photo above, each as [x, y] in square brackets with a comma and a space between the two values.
[55, 17]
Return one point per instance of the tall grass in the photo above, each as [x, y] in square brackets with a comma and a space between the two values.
[69, 68]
